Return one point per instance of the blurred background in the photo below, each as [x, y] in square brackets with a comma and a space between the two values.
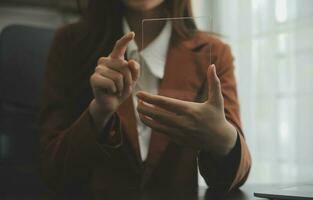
[43, 13]
[272, 42]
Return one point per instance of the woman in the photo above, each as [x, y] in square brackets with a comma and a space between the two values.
[92, 137]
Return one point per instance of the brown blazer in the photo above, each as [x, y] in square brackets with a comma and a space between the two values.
[75, 156]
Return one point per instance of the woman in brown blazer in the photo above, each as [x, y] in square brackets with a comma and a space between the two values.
[90, 138]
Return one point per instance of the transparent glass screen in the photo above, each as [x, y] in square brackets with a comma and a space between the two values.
[159, 36]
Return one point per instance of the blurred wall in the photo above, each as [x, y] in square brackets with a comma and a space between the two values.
[38, 15]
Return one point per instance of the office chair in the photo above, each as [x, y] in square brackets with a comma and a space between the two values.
[23, 52]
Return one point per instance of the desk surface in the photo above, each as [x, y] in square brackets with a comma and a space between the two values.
[245, 193]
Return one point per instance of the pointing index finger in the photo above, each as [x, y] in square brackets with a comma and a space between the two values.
[121, 45]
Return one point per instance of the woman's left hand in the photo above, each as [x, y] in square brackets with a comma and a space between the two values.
[202, 126]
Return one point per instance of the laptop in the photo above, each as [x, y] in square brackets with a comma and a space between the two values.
[301, 192]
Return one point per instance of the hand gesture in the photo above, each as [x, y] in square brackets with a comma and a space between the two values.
[114, 77]
[202, 126]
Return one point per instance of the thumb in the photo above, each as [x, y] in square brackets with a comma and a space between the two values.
[134, 69]
[215, 96]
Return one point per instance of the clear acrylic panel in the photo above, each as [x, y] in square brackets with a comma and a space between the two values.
[158, 36]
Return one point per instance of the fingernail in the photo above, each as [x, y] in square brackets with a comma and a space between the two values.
[132, 34]
[214, 68]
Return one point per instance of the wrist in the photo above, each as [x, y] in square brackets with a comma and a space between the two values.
[223, 140]
[228, 138]
[99, 116]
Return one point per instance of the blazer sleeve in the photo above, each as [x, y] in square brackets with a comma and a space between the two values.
[232, 171]
[70, 142]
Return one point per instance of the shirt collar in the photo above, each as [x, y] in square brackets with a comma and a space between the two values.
[155, 54]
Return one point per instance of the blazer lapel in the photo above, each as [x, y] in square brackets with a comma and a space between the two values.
[126, 113]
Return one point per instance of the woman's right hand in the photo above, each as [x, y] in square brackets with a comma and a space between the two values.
[113, 81]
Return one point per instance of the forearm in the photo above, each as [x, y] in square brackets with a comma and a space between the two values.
[100, 118]
[67, 153]
[219, 171]
[67, 157]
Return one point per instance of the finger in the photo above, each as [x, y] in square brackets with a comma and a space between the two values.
[214, 86]
[102, 83]
[135, 69]
[167, 103]
[159, 115]
[173, 133]
[103, 60]
[121, 46]
[121, 66]
[117, 77]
